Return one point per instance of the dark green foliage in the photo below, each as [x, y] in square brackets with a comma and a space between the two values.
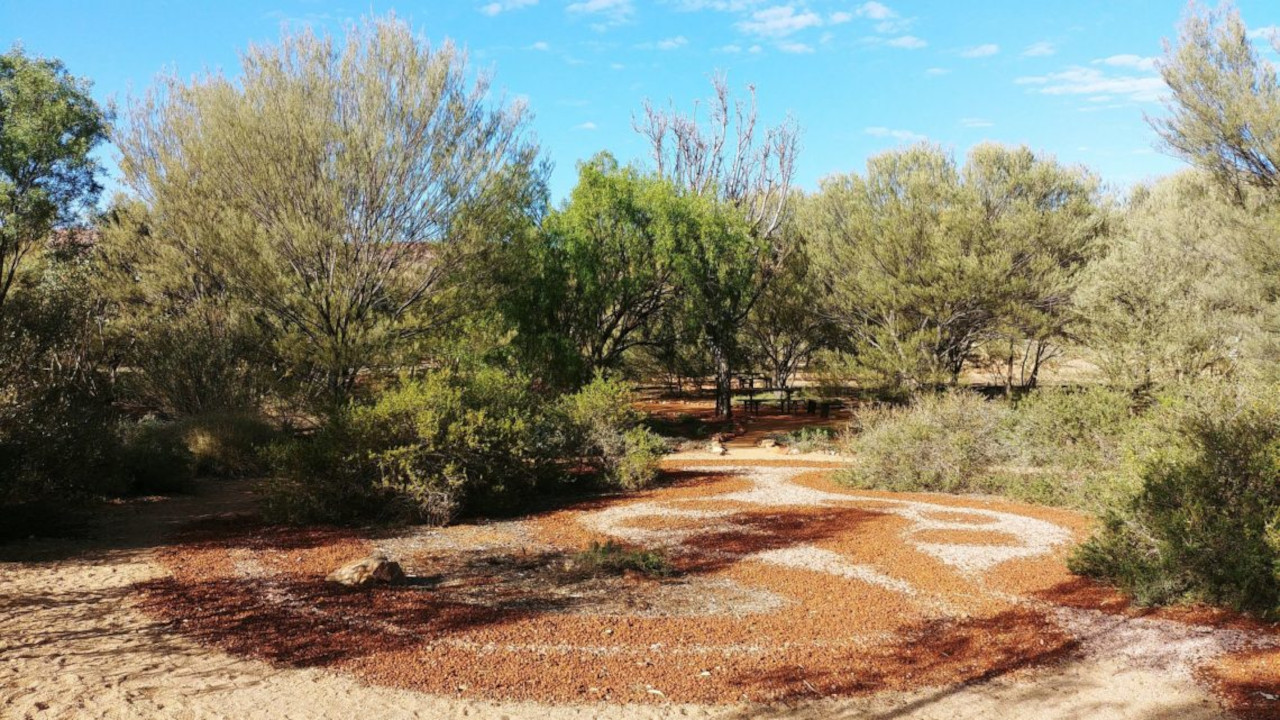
[49, 124]
[153, 459]
[422, 451]
[615, 558]
[227, 444]
[1206, 522]
[605, 429]
[452, 442]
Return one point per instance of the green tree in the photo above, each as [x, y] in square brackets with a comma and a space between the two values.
[49, 125]
[735, 171]
[1224, 106]
[594, 282]
[1174, 299]
[923, 263]
[1043, 224]
[337, 185]
[785, 326]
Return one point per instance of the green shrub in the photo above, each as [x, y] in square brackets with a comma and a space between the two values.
[153, 458]
[458, 442]
[810, 439]
[58, 442]
[424, 450]
[1205, 524]
[603, 429]
[227, 444]
[944, 443]
[612, 557]
[1070, 428]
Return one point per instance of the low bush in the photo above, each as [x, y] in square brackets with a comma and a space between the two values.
[1078, 428]
[810, 439]
[422, 451]
[1205, 522]
[604, 430]
[615, 558]
[227, 444]
[458, 442]
[153, 458]
[945, 443]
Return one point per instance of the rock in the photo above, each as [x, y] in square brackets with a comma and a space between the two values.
[716, 448]
[375, 569]
[768, 443]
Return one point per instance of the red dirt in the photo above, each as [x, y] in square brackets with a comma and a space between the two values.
[830, 637]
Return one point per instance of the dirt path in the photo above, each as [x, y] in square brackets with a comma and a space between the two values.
[75, 644]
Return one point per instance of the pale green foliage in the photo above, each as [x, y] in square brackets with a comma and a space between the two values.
[49, 124]
[941, 442]
[604, 430]
[190, 346]
[924, 262]
[1175, 298]
[1224, 112]
[333, 184]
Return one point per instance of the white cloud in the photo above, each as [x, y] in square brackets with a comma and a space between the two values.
[672, 43]
[779, 21]
[501, 6]
[1040, 49]
[1128, 61]
[1268, 33]
[607, 13]
[540, 46]
[901, 135]
[936, 71]
[978, 51]
[585, 126]
[875, 11]
[795, 48]
[838, 18]
[755, 50]
[718, 5]
[1094, 82]
[976, 122]
[731, 49]
[909, 42]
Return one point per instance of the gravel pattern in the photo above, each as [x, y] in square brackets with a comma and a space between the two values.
[792, 592]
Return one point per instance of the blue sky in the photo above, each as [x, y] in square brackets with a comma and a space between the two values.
[1071, 78]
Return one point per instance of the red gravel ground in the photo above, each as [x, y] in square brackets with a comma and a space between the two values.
[518, 622]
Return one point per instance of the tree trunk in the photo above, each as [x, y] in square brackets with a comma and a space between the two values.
[724, 384]
[1008, 375]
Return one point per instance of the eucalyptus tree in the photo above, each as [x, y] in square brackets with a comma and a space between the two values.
[1224, 103]
[727, 263]
[335, 184]
[49, 126]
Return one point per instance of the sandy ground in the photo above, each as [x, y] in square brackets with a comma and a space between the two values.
[75, 644]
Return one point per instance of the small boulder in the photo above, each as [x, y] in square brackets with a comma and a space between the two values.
[375, 569]
[715, 448]
[767, 443]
